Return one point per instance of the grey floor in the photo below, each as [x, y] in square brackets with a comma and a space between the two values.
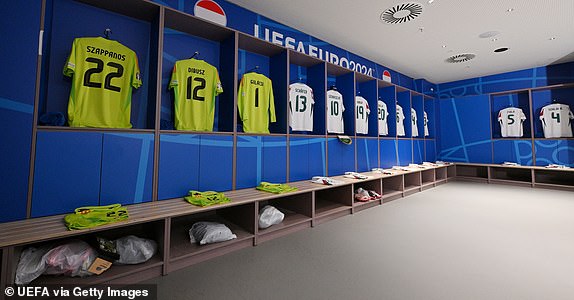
[456, 241]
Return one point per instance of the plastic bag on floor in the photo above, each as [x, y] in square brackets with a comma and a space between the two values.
[210, 232]
[31, 265]
[71, 259]
[135, 250]
[270, 215]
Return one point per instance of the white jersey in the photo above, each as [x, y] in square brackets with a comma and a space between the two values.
[335, 109]
[556, 120]
[362, 115]
[511, 120]
[301, 104]
[383, 115]
[414, 119]
[426, 121]
[400, 119]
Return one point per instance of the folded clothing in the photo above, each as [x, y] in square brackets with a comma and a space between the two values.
[325, 180]
[355, 175]
[206, 198]
[210, 232]
[92, 216]
[52, 119]
[270, 215]
[276, 188]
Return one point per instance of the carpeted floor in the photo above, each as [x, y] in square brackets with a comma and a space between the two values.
[457, 241]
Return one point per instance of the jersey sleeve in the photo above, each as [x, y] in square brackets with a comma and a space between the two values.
[522, 116]
[570, 114]
[174, 82]
[500, 116]
[271, 103]
[368, 109]
[70, 66]
[136, 77]
[217, 83]
[241, 100]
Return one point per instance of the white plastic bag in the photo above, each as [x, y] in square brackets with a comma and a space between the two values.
[31, 264]
[270, 215]
[71, 259]
[135, 250]
[210, 232]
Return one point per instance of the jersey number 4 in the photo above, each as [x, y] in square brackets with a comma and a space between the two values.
[99, 68]
[194, 94]
[556, 116]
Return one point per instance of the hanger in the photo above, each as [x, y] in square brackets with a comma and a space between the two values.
[253, 69]
[332, 88]
[196, 53]
[107, 33]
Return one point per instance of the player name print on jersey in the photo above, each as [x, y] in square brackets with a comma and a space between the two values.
[414, 120]
[301, 104]
[362, 115]
[382, 115]
[195, 84]
[256, 103]
[511, 120]
[400, 120]
[556, 120]
[335, 109]
[103, 73]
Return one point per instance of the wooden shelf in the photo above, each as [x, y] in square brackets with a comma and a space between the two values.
[291, 219]
[324, 208]
[181, 247]
[153, 266]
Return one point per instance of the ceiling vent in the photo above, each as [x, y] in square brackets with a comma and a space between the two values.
[460, 58]
[402, 13]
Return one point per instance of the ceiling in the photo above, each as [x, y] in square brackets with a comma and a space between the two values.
[537, 33]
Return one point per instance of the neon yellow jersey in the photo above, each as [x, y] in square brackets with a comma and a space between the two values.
[195, 84]
[103, 73]
[256, 103]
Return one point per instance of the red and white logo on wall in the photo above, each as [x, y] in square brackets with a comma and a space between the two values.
[211, 11]
[387, 75]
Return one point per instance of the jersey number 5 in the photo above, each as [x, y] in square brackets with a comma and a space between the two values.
[510, 119]
[98, 69]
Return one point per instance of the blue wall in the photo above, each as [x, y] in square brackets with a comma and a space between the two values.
[467, 113]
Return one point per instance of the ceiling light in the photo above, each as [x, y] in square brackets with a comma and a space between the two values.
[552, 38]
[444, 46]
[510, 10]
[494, 39]
[431, 1]
[503, 49]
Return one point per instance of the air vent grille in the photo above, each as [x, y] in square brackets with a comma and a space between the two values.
[460, 58]
[402, 13]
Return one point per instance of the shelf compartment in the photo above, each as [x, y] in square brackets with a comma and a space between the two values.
[392, 188]
[554, 178]
[120, 274]
[370, 185]
[298, 210]
[451, 171]
[240, 219]
[473, 173]
[441, 173]
[428, 177]
[505, 174]
[412, 183]
[333, 203]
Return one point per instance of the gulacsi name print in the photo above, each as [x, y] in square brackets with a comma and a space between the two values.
[61, 292]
